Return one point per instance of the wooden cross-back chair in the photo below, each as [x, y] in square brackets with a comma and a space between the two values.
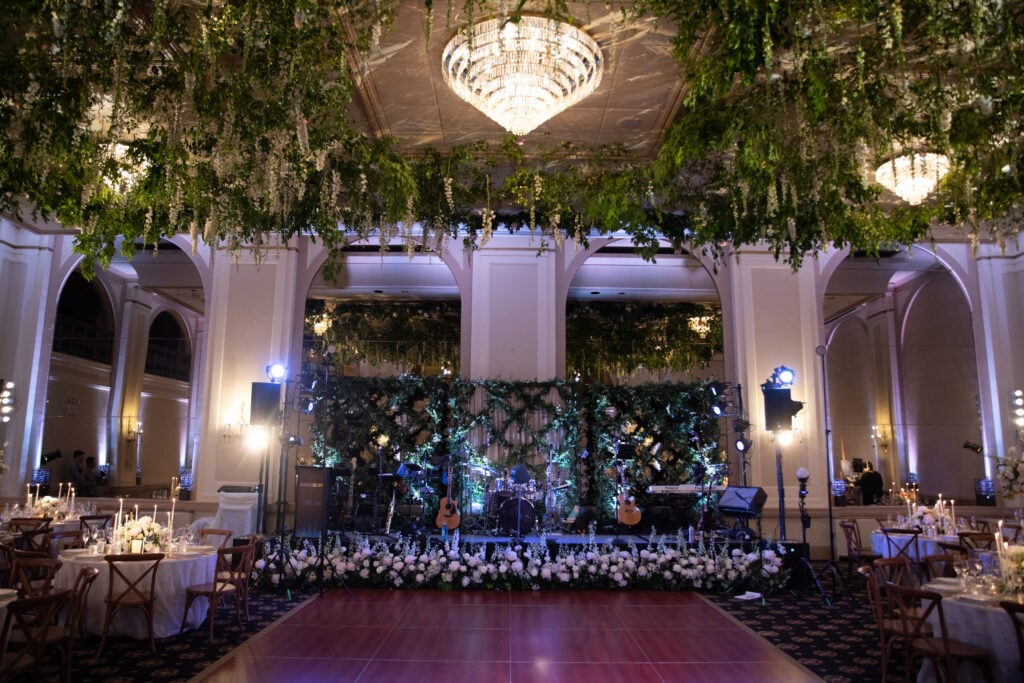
[921, 639]
[124, 592]
[32, 573]
[18, 525]
[856, 553]
[32, 619]
[233, 568]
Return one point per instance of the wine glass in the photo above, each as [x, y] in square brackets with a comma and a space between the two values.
[85, 537]
[189, 535]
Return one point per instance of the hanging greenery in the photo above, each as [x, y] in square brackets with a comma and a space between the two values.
[420, 336]
[618, 338]
[138, 119]
[601, 338]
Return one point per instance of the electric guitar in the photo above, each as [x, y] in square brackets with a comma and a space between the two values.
[628, 513]
[448, 510]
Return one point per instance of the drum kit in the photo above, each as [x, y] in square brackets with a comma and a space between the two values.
[509, 501]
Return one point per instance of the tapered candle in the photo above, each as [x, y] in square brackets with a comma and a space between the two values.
[28, 494]
[60, 490]
[136, 512]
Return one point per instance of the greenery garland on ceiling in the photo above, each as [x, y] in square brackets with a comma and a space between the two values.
[602, 338]
[561, 431]
[229, 117]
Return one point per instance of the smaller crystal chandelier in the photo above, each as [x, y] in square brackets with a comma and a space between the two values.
[700, 324]
[913, 176]
[522, 72]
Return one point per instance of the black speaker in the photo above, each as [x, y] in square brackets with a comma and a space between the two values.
[313, 489]
[266, 399]
[742, 501]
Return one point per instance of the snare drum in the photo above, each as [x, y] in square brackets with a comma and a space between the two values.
[516, 516]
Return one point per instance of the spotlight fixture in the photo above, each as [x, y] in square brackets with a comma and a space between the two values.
[276, 372]
[779, 407]
[782, 376]
[743, 444]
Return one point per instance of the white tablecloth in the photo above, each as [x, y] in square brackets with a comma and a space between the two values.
[175, 574]
[926, 545]
[984, 625]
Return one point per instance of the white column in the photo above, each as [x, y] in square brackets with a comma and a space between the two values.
[513, 311]
[29, 300]
[254, 317]
[777, 321]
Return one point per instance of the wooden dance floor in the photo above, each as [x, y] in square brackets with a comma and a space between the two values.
[587, 636]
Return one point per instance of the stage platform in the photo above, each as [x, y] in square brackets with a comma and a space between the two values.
[553, 540]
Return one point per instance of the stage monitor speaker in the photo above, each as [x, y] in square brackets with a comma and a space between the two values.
[266, 399]
[314, 487]
[742, 500]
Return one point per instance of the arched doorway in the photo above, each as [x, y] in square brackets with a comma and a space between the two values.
[901, 374]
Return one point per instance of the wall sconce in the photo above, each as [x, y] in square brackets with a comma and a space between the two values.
[134, 432]
[880, 437]
[231, 431]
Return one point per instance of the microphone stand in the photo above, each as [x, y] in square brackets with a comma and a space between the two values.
[830, 566]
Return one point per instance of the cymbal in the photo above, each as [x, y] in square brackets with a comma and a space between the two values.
[482, 470]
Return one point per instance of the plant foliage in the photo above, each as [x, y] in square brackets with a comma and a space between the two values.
[137, 119]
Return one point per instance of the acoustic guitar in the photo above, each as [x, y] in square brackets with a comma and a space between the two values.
[448, 510]
[628, 513]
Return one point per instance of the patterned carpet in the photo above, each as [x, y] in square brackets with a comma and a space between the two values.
[838, 641]
[178, 658]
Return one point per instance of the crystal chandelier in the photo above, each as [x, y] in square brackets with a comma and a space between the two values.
[913, 177]
[521, 73]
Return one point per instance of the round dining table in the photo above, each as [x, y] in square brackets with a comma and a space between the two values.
[980, 621]
[174, 575]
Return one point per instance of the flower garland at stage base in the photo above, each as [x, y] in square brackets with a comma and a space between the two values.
[411, 563]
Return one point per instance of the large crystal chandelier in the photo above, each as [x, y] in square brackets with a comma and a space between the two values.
[913, 176]
[521, 73]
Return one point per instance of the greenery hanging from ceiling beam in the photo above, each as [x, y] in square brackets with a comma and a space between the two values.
[137, 120]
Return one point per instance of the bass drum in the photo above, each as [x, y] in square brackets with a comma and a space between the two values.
[516, 516]
[494, 502]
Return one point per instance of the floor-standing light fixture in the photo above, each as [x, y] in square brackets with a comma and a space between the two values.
[779, 409]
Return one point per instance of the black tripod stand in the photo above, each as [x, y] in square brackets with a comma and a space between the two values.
[805, 562]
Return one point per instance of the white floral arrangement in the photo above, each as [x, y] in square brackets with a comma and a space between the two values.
[1010, 473]
[144, 529]
[1012, 569]
[407, 563]
[47, 506]
[924, 516]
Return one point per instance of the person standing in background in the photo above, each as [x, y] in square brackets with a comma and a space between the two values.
[871, 484]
